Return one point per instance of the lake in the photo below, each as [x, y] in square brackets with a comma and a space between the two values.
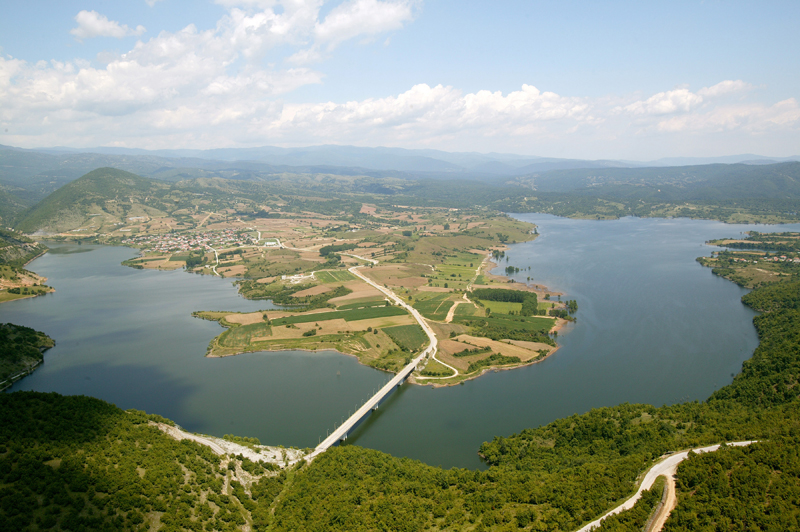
[653, 326]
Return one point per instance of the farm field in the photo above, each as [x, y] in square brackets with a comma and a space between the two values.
[435, 306]
[409, 337]
[429, 257]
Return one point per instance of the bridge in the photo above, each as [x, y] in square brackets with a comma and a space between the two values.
[341, 432]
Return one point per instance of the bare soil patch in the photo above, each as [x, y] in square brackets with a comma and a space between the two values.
[245, 319]
[361, 290]
[497, 347]
[232, 271]
[433, 289]
[398, 275]
[313, 291]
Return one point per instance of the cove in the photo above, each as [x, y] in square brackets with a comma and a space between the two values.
[653, 326]
[127, 336]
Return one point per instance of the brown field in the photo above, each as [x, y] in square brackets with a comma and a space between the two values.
[533, 346]
[245, 319]
[312, 256]
[266, 280]
[232, 271]
[361, 290]
[498, 347]
[313, 291]
[406, 276]
[367, 209]
[325, 327]
[433, 289]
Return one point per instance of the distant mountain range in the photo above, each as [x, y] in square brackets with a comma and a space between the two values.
[402, 160]
[29, 176]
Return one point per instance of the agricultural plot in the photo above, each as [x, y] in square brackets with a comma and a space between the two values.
[465, 310]
[533, 324]
[334, 276]
[347, 315]
[240, 337]
[434, 307]
[501, 326]
[502, 307]
[410, 337]
[373, 303]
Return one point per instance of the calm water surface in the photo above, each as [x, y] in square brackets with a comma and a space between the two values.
[653, 326]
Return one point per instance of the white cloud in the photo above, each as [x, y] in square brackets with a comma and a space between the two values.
[725, 87]
[362, 17]
[752, 118]
[209, 88]
[666, 103]
[93, 24]
[151, 3]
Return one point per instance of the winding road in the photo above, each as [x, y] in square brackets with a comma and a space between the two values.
[667, 467]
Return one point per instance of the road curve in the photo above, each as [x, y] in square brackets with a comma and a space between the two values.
[667, 467]
[414, 312]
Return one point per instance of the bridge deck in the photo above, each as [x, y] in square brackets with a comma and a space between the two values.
[344, 429]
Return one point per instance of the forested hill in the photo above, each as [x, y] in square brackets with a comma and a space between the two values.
[77, 462]
[92, 194]
[677, 183]
[732, 193]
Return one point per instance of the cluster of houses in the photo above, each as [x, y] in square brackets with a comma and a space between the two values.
[171, 243]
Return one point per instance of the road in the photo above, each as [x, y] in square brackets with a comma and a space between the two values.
[342, 430]
[667, 467]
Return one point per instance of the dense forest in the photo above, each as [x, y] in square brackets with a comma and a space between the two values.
[21, 350]
[73, 462]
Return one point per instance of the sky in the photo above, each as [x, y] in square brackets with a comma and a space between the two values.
[592, 80]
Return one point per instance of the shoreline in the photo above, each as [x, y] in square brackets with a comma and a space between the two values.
[483, 371]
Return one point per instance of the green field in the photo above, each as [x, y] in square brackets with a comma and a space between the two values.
[241, 336]
[465, 310]
[410, 337]
[502, 307]
[334, 276]
[434, 307]
[519, 323]
[347, 315]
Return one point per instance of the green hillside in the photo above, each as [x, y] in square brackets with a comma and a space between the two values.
[17, 249]
[21, 349]
[105, 190]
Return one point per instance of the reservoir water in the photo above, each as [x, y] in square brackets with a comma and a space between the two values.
[653, 327]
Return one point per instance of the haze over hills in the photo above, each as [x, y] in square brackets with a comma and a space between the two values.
[401, 159]
[502, 181]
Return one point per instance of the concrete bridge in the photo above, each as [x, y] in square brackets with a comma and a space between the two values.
[341, 432]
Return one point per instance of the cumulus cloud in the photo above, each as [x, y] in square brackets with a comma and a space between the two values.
[725, 87]
[666, 103]
[93, 24]
[209, 88]
[362, 17]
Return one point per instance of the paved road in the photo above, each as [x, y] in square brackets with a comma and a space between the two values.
[667, 467]
[343, 429]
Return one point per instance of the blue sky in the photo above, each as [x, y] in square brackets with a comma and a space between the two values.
[635, 80]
